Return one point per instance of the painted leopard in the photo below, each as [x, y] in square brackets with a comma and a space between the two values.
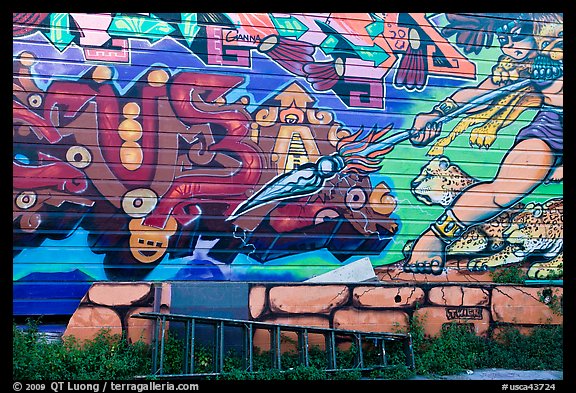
[537, 231]
[440, 182]
[486, 237]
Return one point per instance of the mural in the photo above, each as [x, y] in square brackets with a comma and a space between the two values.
[278, 147]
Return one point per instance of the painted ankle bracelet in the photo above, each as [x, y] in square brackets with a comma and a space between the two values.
[447, 227]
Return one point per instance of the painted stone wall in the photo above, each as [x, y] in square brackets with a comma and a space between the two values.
[371, 307]
[111, 307]
[403, 148]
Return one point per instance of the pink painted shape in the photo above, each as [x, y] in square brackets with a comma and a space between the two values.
[93, 28]
[374, 92]
[217, 48]
[253, 24]
[363, 69]
[120, 55]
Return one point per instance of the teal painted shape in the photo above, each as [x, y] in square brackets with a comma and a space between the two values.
[189, 26]
[289, 27]
[372, 53]
[329, 44]
[286, 269]
[335, 44]
[140, 26]
[544, 282]
[59, 33]
[376, 28]
[45, 260]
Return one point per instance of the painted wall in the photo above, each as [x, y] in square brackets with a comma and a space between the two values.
[253, 148]
[375, 307]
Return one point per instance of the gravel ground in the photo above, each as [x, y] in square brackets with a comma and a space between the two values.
[499, 374]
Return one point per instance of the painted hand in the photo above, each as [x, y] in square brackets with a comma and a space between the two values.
[425, 128]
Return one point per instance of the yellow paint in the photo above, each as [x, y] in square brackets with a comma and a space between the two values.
[130, 130]
[102, 74]
[131, 110]
[148, 244]
[291, 153]
[131, 155]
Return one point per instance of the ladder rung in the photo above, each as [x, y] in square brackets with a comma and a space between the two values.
[248, 328]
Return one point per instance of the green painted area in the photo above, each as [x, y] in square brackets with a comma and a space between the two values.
[374, 54]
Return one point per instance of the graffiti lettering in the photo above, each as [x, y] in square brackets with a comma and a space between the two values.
[232, 36]
[463, 313]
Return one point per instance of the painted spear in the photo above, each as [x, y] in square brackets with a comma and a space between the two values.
[362, 150]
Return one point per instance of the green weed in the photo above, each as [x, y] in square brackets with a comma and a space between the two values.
[454, 350]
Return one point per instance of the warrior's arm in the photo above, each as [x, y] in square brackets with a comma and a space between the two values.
[467, 94]
[425, 127]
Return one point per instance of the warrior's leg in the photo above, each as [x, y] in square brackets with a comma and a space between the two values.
[523, 168]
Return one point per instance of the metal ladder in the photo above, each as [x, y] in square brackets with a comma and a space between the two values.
[191, 323]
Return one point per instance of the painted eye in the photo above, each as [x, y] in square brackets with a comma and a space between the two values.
[444, 163]
[545, 44]
[26, 200]
[291, 118]
[325, 215]
[35, 100]
[356, 198]
[139, 202]
[381, 201]
[79, 156]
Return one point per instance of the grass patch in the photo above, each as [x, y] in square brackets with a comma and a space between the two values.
[456, 349]
[107, 356]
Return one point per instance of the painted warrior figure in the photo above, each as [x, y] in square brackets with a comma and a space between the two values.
[532, 49]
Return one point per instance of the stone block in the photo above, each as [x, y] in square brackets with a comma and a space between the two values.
[525, 305]
[351, 318]
[257, 301]
[290, 339]
[166, 295]
[118, 294]
[316, 299]
[88, 321]
[138, 329]
[457, 295]
[376, 296]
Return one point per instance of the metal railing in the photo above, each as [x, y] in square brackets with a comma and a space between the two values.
[192, 322]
